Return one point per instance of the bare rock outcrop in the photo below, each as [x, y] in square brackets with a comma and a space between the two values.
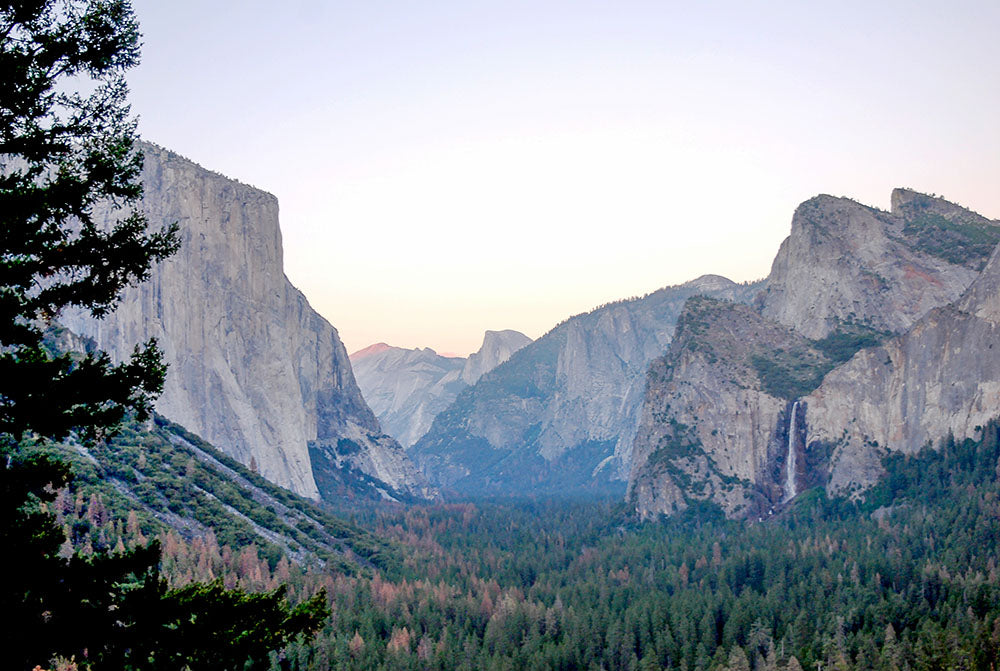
[496, 348]
[846, 262]
[940, 378]
[253, 368]
[716, 415]
[407, 388]
[885, 342]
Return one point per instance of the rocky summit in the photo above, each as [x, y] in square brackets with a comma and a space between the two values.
[847, 262]
[874, 333]
[253, 368]
[497, 347]
[559, 416]
[408, 388]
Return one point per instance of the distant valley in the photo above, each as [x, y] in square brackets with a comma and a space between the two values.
[841, 412]
[864, 339]
[408, 388]
[798, 470]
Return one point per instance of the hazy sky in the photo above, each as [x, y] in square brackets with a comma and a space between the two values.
[444, 168]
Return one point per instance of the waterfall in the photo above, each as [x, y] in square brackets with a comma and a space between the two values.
[790, 490]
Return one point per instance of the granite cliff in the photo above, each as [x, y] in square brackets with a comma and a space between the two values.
[497, 347]
[253, 368]
[751, 406]
[559, 416]
[847, 262]
[941, 378]
[408, 388]
[716, 418]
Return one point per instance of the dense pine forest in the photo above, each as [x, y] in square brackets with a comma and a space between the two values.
[906, 579]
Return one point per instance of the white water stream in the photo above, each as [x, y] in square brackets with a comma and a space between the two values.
[790, 491]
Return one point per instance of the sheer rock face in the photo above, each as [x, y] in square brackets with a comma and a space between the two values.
[496, 348]
[942, 377]
[408, 388]
[847, 262]
[253, 368]
[710, 427]
[561, 413]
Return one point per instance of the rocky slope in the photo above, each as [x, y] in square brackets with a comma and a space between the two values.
[849, 276]
[253, 368]
[715, 421]
[846, 262]
[559, 416]
[408, 388]
[940, 378]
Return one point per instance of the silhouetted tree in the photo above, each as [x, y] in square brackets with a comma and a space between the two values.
[72, 236]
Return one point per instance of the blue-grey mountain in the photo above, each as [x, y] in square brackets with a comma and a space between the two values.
[560, 414]
[408, 388]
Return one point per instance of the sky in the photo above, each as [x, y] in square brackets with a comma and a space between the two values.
[444, 168]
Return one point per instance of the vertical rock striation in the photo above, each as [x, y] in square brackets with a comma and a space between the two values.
[253, 368]
[940, 378]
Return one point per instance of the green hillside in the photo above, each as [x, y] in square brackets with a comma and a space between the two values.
[162, 478]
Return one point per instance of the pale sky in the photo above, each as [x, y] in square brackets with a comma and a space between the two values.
[444, 168]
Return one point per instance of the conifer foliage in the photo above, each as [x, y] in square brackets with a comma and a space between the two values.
[66, 157]
[73, 237]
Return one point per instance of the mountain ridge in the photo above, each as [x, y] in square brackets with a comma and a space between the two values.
[559, 415]
[861, 285]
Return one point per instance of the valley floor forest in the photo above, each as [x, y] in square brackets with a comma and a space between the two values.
[907, 579]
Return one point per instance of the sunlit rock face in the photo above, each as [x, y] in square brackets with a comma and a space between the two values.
[846, 262]
[252, 367]
[560, 415]
[940, 378]
[408, 388]
[751, 406]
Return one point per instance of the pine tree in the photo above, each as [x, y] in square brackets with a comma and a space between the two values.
[73, 237]
[63, 155]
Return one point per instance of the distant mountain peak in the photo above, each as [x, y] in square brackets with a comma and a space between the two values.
[407, 388]
[710, 283]
[496, 348]
[377, 348]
